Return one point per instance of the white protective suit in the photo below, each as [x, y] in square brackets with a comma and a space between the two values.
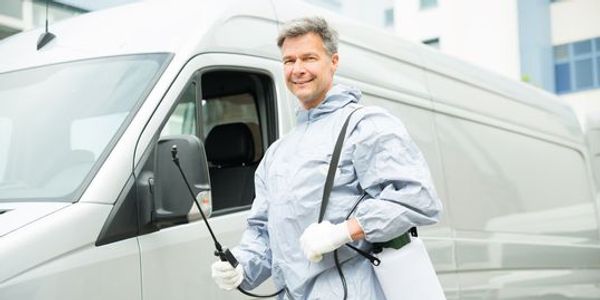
[378, 157]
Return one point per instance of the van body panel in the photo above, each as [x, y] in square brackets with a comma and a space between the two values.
[15, 215]
[530, 284]
[521, 167]
[175, 260]
[589, 117]
[553, 182]
[462, 86]
[107, 272]
[35, 245]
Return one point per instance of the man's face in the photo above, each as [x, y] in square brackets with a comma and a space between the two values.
[308, 68]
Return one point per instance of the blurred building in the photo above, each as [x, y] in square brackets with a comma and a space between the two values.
[554, 45]
[379, 13]
[21, 15]
[576, 43]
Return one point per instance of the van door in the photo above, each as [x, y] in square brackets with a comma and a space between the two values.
[221, 98]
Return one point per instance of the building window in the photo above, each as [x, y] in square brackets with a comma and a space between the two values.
[388, 17]
[598, 70]
[11, 8]
[577, 66]
[335, 5]
[426, 4]
[435, 43]
[584, 73]
[582, 48]
[563, 78]
[561, 52]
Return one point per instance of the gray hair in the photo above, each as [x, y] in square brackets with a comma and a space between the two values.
[302, 26]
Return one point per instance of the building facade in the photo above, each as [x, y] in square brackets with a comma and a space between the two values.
[379, 13]
[576, 41]
[510, 37]
[23, 15]
[552, 44]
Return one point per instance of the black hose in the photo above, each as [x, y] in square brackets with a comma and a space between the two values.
[259, 296]
[339, 269]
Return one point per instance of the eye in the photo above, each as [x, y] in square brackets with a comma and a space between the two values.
[288, 61]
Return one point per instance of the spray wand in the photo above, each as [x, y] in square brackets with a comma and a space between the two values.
[223, 255]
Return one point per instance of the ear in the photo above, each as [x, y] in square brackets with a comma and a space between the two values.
[334, 61]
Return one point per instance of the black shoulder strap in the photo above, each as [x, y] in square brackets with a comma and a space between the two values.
[333, 166]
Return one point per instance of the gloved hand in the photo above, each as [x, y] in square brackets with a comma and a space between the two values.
[227, 277]
[324, 237]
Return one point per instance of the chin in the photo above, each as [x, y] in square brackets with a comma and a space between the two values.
[309, 104]
[304, 97]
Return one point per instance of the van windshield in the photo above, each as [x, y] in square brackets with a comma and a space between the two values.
[58, 122]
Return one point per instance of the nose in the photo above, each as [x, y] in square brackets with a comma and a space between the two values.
[298, 67]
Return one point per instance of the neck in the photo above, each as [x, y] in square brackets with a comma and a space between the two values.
[313, 103]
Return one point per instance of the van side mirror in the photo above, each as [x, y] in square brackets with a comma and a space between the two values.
[173, 203]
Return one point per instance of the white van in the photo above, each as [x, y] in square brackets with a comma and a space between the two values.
[91, 206]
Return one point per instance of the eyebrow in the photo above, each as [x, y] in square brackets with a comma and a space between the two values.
[302, 55]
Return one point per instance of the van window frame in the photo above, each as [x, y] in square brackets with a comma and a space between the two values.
[267, 115]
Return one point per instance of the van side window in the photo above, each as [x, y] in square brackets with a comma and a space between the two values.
[232, 112]
[183, 120]
[237, 124]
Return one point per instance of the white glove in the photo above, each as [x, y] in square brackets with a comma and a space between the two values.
[322, 238]
[226, 276]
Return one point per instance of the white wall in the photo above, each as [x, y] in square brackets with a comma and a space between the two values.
[481, 32]
[369, 12]
[574, 20]
[416, 25]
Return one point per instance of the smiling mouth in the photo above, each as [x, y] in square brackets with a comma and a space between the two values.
[302, 82]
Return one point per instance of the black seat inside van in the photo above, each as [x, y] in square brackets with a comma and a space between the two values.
[230, 151]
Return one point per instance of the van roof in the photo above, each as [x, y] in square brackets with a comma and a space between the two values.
[190, 27]
[142, 27]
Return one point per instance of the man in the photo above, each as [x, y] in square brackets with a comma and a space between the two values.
[378, 158]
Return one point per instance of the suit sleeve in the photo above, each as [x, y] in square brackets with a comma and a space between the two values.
[395, 175]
